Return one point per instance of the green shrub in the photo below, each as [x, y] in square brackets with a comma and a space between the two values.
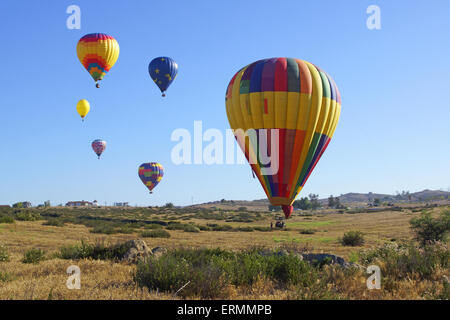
[216, 227]
[175, 226]
[182, 226]
[402, 261]
[245, 229]
[104, 229]
[125, 230]
[6, 219]
[168, 273]
[27, 216]
[4, 255]
[5, 276]
[262, 229]
[54, 223]
[353, 238]
[158, 233]
[152, 226]
[34, 256]
[209, 271]
[97, 251]
[307, 231]
[428, 229]
[191, 228]
[75, 252]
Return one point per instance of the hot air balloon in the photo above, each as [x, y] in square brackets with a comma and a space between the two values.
[293, 108]
[151, 174]
[97, 52]
[163, 71]
[99, 146]
[83, 108]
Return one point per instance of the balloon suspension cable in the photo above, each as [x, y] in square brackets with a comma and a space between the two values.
[253, 173]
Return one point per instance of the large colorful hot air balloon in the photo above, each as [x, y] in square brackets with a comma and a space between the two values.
[151, 174]
[99, 146]
[163, 71]
[83, 108]
[290, 98]
[97, 52]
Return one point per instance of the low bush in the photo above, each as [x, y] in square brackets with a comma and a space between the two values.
[182, 226]
[429, 229]
[34, 256]
[353, 238]
[191, 228]
[4, 255]
[97, 251]
[54, 223]
[125, 230]
[262, 229]
[245, 229]
[307, 231]
[104, 229]
[152, 226]
[157, 233]
[5, 276]
[26, 216]
[406, 260]
[207, 272]
[6, 219]
[216, 227]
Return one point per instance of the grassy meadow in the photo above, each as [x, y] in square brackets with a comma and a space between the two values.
[227, 242]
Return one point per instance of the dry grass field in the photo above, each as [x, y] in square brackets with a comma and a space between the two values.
[106, 279]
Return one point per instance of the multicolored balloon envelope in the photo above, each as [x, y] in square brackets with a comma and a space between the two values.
[97, 52]
[151, 174]
[163, 71]
[289, 109]
[83, 108]
[99, 146]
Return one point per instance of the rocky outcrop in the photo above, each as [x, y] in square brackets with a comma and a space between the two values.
[138, 250]
[159, 251]
[315, 258]
[327, 258]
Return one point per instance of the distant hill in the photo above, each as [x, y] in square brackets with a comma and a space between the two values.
[348, 198]
[425, 195]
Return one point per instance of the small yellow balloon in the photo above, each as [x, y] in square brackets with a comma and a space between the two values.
[83, 108]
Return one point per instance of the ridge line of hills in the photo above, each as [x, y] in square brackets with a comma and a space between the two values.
[351, 197]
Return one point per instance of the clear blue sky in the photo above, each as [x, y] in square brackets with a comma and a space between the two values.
[393, 133]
